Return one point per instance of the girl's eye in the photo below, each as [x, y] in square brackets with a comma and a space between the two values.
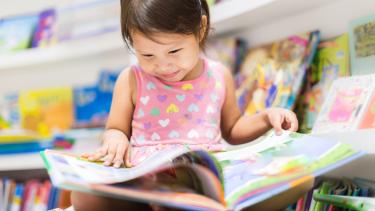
[175, 51]
[147, 55]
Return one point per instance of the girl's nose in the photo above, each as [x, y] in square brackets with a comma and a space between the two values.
[164, 66]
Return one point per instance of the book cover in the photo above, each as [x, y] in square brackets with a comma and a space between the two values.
[272, 75]
[92, 103]
[16, 33]
[345, 104]
[362, 45]
[368, 117]
[331, 61]
[46, 110]
[45, 32]
[230, 51]
[240, 177]
[9, 111]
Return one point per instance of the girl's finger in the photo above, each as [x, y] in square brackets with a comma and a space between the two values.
[111, 155]
[119, 158]
[292, 119]
[85, 155]
[276, 123]
[101, 152]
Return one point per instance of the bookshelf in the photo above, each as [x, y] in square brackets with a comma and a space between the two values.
[224, 21]
[74, 49]
[31, 161]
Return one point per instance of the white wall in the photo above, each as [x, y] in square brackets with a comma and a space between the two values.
[332, 20]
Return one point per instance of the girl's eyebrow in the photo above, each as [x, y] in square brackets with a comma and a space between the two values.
[177, 46]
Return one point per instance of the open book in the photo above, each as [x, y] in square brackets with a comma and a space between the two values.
[240, 177]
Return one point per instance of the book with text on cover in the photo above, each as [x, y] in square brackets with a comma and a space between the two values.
[199, 180]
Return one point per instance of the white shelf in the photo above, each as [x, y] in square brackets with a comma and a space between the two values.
[64, 51]
[359, 139]
[32, 161]
[227, 16]
[235, 15]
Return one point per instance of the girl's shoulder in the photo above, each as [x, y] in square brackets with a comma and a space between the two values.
[126, 81]
[218, 68]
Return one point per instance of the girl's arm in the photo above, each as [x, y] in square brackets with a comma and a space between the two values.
[118, 127]
[237, 129]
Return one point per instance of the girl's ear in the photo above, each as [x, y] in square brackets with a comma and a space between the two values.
[203, 28]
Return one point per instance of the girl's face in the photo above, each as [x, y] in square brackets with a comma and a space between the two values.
[170, 57]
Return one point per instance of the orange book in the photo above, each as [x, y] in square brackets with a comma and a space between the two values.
[64, 199]
[368, 117]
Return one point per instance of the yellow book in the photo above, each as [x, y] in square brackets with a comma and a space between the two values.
[47, 110]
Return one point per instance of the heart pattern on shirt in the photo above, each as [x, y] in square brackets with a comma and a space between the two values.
[164, 122]
[192, 134]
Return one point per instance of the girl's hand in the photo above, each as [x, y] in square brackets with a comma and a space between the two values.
[282, 119]
[113, 149]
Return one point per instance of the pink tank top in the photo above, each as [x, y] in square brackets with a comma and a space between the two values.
[177, 114]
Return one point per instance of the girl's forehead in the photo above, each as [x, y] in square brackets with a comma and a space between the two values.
[160, 38]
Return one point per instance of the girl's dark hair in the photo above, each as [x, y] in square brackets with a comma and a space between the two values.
[168, 16]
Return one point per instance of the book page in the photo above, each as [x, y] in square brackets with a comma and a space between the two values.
[67, 168]
[253, 170]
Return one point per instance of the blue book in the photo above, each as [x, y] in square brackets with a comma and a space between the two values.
[25, 147]
[92, 103]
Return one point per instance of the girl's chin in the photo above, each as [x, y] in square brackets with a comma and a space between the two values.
[174, 77]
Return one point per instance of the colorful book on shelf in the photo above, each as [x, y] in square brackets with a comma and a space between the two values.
[30, 195]
[9, 111]
[368, 118]
[47, 110]
[331, 62]
[230, 51]
[25, 147]
[18, 136]
[362, 45]
[45, 32]
[273, 74]
[240, 177]
[92, 103]
[17, 32]
[348, 105]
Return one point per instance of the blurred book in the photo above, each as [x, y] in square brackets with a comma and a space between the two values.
[16, 33]
[338, 194]
[25, 147]
[272, 75]
[229, 51]
[37, 195]
[344, 108]
[92, 103]
[368, 117]
[331, 62]
[362, 45]
[9, 112]
[45, 32]
[47, 110]
[18, 136]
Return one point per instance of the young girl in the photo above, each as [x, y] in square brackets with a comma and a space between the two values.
[174, 97]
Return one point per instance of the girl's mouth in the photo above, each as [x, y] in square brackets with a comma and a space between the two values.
[170, 75]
